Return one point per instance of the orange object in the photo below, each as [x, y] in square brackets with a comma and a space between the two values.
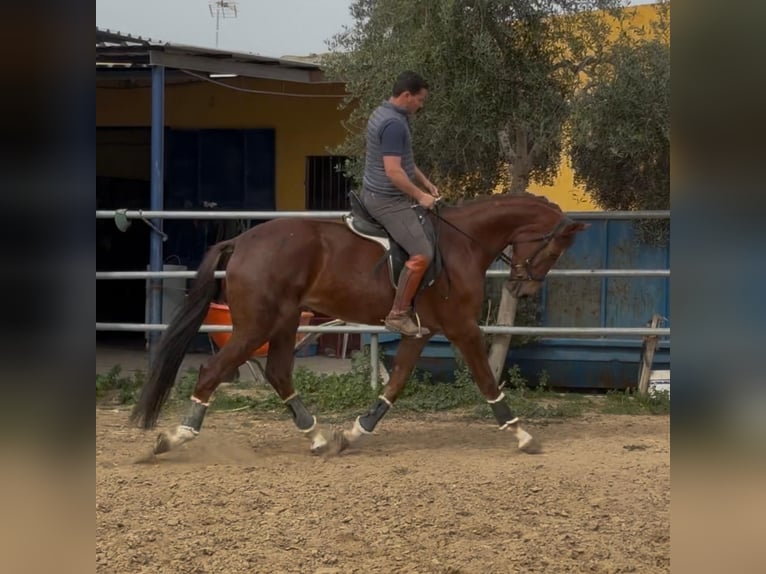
[219, 314]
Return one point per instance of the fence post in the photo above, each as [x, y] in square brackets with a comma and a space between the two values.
[374, 358]
[506, 317]
[647, 358]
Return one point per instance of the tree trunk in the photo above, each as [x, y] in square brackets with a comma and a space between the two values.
[519, 161]
[519, 184]
[522, 165]
[506, 316]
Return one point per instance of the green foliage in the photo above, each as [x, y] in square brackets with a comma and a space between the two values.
[619, 137]
[516, 381]
[424, 395]
[114, 388]
[185, 385]
[630, 402]
[348, 394]
[501, 74]
[537, 400]
[334, 392]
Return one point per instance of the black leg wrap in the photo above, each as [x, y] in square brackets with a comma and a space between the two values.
[301, 415]
[502, 412]
[194, 417]
[373, 416]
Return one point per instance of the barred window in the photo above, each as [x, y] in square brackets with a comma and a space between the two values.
[326, 186]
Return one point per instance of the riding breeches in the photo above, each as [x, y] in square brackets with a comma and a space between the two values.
[404, 220]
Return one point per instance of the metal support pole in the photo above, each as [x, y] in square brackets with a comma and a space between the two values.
[374, 358]
[156, 201]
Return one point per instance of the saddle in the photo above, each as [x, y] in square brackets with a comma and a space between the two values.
[362, 223]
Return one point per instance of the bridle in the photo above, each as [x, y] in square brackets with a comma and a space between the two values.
[526, 265]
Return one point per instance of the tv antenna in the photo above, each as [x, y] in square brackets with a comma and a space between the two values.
[221, 9]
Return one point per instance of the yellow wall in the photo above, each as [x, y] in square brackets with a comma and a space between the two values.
[303, 126]
[564, 192]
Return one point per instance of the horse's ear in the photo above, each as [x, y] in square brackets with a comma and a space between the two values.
[574, 227]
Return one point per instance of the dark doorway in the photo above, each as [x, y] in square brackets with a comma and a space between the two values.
[204, 169]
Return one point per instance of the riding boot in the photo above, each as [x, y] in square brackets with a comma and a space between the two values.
[398, 319]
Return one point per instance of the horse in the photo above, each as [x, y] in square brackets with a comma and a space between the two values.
[283, 266]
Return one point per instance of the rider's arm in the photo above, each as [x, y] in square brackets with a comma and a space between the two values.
[393, 140]
[397, 175]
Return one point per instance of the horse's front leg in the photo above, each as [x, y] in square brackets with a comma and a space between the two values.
[408, 353]
[471, 345]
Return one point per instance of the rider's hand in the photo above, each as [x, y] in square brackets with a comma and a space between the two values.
[432, 189]
[426, 201]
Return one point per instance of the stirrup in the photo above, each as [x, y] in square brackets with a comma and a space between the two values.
[404, 325]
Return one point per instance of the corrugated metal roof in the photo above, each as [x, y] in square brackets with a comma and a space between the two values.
[118, 50]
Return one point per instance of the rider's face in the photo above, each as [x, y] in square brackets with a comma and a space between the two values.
[414, 102]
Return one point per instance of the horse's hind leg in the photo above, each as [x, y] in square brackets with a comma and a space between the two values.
[279, 371]
[235, 352]
[408, 353]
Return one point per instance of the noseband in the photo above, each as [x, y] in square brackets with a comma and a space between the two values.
[523, 271]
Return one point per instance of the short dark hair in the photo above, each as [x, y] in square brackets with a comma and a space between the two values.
[409, 81]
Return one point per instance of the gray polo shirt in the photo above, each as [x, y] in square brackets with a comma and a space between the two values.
[388, 133]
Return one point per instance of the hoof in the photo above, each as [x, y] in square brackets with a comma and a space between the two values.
[163, 443]
[319, 444]
[528, 444]
[168, 441]
[344, 440]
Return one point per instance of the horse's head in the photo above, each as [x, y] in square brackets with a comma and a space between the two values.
[535, 254]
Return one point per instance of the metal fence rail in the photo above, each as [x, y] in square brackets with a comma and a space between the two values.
[212, 214]
[373, 329]
[491, 273]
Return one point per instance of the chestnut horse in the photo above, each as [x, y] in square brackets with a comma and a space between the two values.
[282, 266]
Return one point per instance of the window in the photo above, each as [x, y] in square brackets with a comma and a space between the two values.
[327, 187]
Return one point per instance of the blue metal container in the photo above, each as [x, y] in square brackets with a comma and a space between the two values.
[585, 363]
[569, 363]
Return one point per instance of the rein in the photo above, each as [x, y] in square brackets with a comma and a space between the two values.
[503, 257]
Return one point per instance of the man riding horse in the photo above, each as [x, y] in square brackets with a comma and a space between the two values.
[391, 191]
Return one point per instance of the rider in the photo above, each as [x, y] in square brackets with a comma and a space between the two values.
[391, 190]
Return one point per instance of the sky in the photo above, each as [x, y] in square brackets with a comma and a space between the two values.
[267, 27]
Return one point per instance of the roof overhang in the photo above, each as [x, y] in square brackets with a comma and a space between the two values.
[118, 53]
[212, 65]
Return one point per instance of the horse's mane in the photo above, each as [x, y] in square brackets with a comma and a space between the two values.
[482, 200]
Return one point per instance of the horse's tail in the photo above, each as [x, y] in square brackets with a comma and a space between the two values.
[181, 330]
